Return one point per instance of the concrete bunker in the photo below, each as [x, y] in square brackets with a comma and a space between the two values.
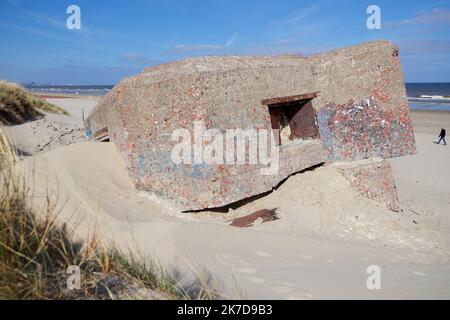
[360, 114]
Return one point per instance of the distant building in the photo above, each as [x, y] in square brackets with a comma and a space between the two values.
[343, 107]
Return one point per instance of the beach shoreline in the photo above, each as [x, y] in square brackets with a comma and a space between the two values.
[48, 96]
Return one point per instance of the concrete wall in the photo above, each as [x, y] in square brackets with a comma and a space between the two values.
[372, 179]
[362, 113]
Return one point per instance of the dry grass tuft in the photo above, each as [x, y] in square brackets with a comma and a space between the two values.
[36, 252]
[33, 253]
[17, 105]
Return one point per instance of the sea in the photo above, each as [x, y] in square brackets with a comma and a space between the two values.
[85, 90]
[421, 96]
[429, 96]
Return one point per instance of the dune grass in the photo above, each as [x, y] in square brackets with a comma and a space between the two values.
[35, 252]
[17, 105]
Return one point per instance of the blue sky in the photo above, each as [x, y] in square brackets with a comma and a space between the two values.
[121, 37]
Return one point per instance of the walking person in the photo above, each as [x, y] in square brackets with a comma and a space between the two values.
[442, 137]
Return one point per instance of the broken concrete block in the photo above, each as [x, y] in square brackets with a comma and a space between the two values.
[372, 179]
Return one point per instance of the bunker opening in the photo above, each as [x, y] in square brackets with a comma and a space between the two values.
[293, 118]
[102, 135]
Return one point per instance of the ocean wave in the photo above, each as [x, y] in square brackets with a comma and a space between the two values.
[431, 99]
[435, 97]
[77, 91]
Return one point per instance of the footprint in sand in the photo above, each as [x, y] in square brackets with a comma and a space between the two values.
[262, 254]
[247, 270]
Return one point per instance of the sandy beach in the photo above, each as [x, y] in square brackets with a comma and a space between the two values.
[320, 248]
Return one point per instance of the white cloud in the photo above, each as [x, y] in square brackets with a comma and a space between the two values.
[51, 35]
[294, 17]
[231, 41]
[138, 59]
[46, 20]
[37, 17]
[427, 46]
[196, 47]
[183, 48]
[437, 16]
